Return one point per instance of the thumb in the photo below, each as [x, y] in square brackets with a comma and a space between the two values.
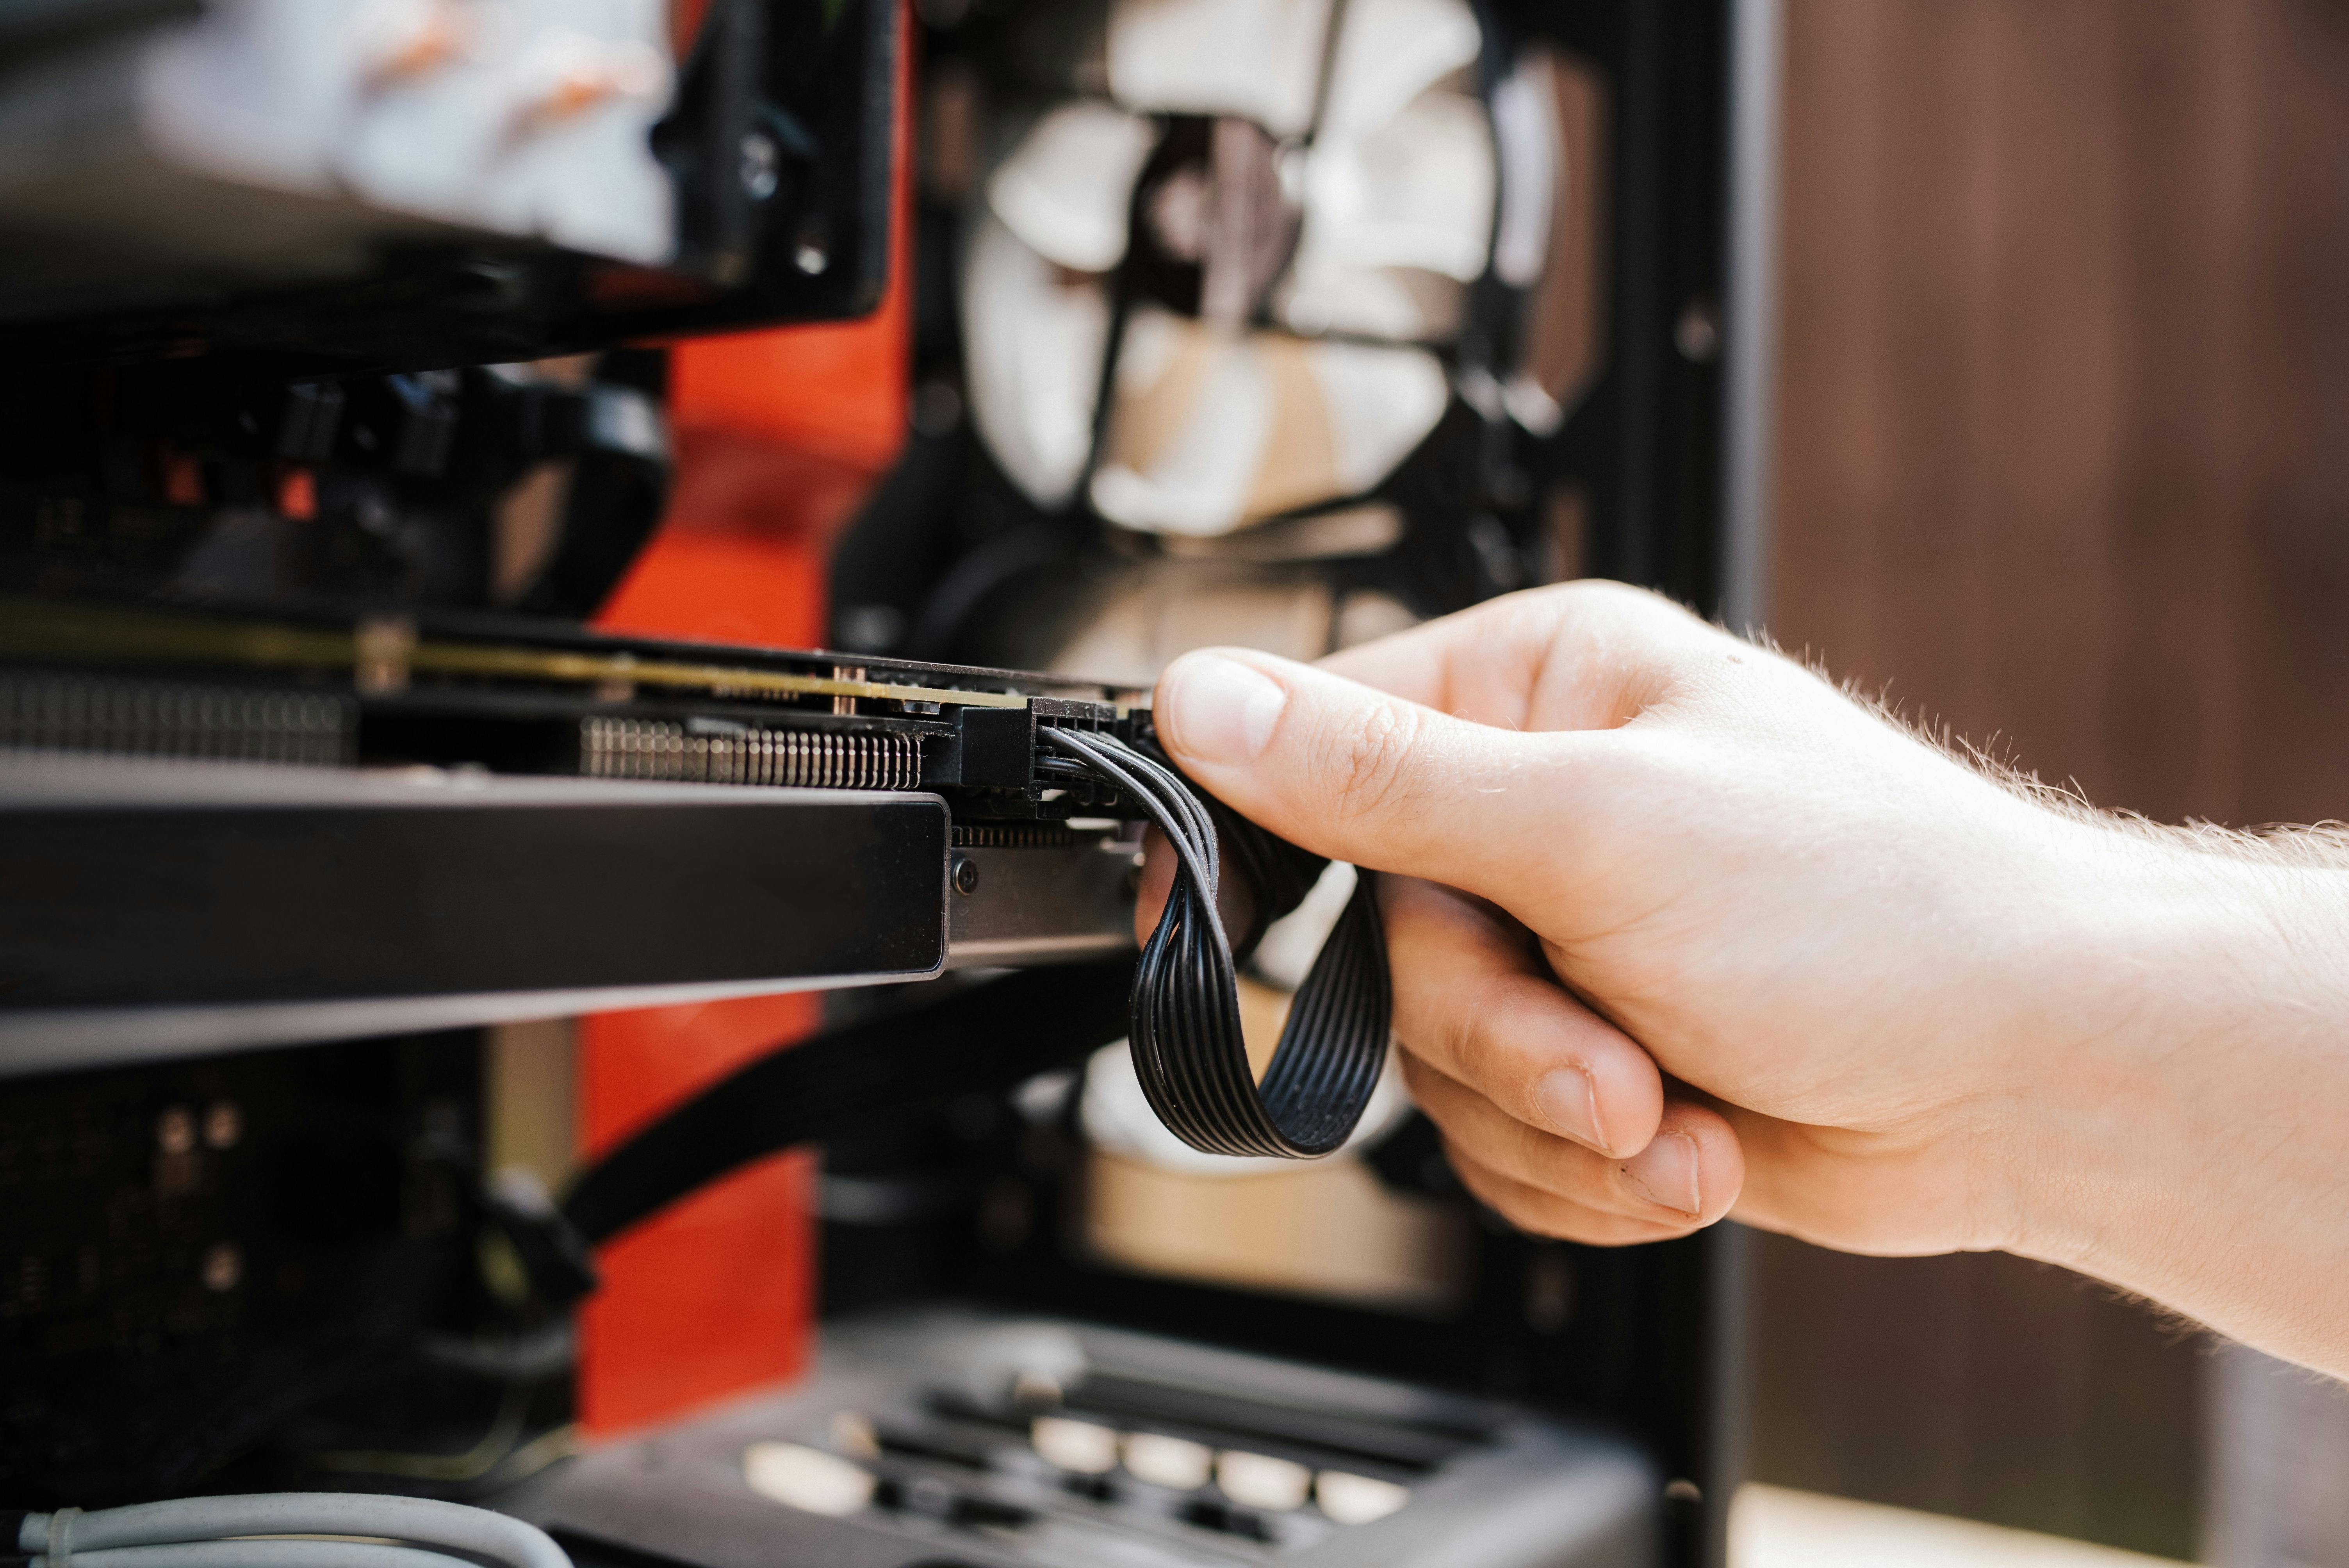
[1356, 774]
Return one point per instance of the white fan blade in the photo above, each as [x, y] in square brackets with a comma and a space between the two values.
[1212, 432]
[1187, 434]
[1032, 338]
[1382, 403]
[1414, 192]
[1324, 293]
[1391, 51]
[1259, 59]
[1065, 190]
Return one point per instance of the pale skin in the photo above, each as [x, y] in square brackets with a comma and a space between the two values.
[1679, 931]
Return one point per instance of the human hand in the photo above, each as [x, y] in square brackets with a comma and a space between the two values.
[1679, 930]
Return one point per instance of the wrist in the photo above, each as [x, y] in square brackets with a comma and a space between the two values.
[2183, 1133]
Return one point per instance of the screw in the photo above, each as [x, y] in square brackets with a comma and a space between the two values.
[1697, 334]
[966, 875]
[811, 249]
[762, 166]
[175, 1131]
[223, 1267]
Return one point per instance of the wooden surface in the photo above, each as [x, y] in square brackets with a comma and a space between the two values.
[2063, 460]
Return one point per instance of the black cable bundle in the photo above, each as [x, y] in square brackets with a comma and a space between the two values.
[1184, 1010]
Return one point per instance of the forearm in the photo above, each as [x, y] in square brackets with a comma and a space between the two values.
[2194, 1146]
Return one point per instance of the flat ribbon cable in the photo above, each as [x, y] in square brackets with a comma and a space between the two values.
[1186, 1016]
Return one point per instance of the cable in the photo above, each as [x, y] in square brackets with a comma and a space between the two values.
[499, 1459]
[1188, 1050]
[263, 1554]
[183, 1524]
[560, 1443]
[976, 1040]
[497, 1444]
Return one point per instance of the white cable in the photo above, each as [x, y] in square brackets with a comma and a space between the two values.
[420, 1521]
[261, 1553]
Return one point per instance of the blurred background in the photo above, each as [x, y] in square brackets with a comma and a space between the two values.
[2063, 459]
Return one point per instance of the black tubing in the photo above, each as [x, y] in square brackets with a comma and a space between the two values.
[986, 1037]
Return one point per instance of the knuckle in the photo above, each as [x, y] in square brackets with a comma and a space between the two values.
[1465, 1042]
[1491, 1049]
[1486, 1033]
[1476, 1041]
[1370, 765]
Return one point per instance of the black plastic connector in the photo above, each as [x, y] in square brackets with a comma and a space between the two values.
[993, 748]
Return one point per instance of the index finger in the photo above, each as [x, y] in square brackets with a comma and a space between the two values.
[1574, 656]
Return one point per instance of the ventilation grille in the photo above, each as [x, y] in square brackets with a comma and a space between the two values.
[651, 748]
[66, 713]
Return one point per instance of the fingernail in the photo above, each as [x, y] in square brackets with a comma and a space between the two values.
[1222, 710]
[1664, 1174]
[1569, 1103]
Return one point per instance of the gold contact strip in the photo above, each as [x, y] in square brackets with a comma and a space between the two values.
[38, 629]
